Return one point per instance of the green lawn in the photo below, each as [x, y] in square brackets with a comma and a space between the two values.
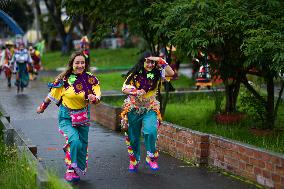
[110, 81]
[196, 113]
[16, 172]
[102, 58]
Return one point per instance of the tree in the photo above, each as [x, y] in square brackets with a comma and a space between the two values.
[138, 15]
[264, 50]
[242, 35]
[214, 27]
[55, 11]
[21, 12]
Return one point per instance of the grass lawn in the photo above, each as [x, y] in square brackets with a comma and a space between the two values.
[197, 115]
[17, 173]
[101, 58]
[110, 81]
[197, 112]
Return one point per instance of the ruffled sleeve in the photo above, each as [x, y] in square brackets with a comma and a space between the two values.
[93, 80]
[96, 89]
[129, 85]
[56, 91]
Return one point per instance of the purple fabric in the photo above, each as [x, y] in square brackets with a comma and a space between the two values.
[146, 84]
[83, 82]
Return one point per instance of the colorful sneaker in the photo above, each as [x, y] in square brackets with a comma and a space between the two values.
[71, 176]
[152, 164]
[133, 168]
[76, 177]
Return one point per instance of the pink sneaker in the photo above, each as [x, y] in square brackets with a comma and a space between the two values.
[71, 176]
[152, 164]
[76, 177]
[133, 168]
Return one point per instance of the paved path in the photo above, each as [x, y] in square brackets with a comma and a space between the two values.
[108, 160]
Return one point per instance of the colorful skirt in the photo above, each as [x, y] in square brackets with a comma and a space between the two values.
[22, 79]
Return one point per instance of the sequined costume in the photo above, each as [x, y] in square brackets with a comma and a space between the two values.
[138, 111]
[36, 61]
[6, 56]
[71, 94]
[20, 60]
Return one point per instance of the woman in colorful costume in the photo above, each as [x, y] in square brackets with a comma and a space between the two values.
[6, 56]
[36, 62]
[73, 91]
[85, 48]
[20, 60]
[142, 108]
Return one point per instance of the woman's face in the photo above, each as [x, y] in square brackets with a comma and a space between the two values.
[21, 46]
[79, 65]
[149, 64]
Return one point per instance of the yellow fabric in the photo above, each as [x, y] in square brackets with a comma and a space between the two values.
[70, 99]
[37, 53]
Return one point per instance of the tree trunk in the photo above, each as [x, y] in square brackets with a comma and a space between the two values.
[231, 91]
[270, 114]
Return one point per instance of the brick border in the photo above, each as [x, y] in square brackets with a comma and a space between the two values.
[106, 115]
[258, 165]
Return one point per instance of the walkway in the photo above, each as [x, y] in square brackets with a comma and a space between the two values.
[108, 160]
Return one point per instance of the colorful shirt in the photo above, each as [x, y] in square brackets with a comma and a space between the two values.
[21, 57]
[74, 90]
[143, 103]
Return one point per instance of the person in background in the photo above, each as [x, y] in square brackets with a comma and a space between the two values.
[73, 91]
[142, 109]
[36, 62]
[5, 64]
[85, 48]
[21, 60]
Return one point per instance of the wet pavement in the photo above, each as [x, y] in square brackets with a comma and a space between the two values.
[108, 160]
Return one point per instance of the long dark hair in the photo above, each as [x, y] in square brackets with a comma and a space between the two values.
[70, 65]
[139, 67]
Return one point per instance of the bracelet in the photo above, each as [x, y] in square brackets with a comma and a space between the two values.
[44, 105]
[163, 63]
[94, 101]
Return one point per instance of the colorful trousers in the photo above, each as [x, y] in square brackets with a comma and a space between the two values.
[148, 121]
[22, 79]
[76, 147]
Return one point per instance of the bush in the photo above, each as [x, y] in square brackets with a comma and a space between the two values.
[252, 107]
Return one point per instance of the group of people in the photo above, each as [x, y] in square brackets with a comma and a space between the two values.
[76, 88]
[24, 63]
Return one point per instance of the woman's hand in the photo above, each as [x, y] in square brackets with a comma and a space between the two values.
[39, 110]
[43, 105]
[153, 58]
[92, 98]
[160, 62]
[141, 92]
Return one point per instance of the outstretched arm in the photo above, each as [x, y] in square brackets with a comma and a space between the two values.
[43, 105]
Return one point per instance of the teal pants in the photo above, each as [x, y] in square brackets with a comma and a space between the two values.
[23, 75]
[76, 140]
[147, 121]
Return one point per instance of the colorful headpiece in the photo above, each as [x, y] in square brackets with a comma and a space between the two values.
[84, 41]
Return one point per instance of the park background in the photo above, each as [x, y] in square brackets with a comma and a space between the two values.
[246, 37]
